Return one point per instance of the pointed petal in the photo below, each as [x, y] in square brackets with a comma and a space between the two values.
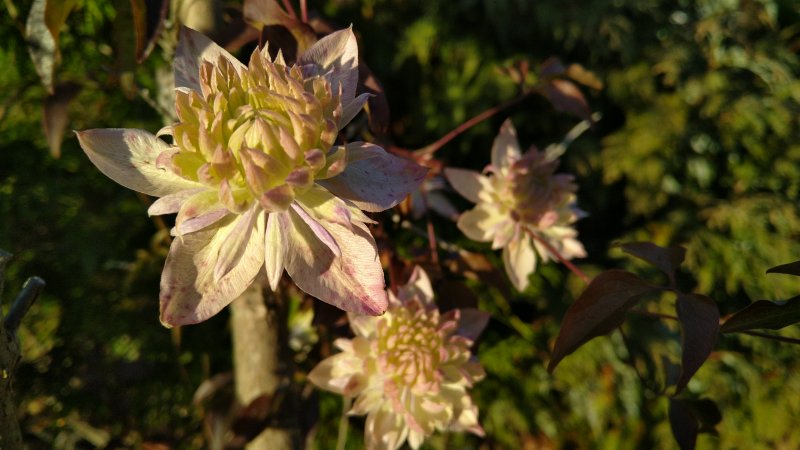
[170, 204]
[505, 150]
[193, 49]
[189, 293]
[418, 286]
[519, 259]
[199, 211]
[322, 205]
[275, 247]
[353, 282]
[233, 247]
[319, 231]
[482, 222]
[353, 108]
[337, 53]
[470, 184]
[373, 179]
[128, 157]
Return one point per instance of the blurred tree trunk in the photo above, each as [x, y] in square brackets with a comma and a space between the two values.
[10, 437]
[261, 363]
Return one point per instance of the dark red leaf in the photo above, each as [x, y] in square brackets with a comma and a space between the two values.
[764, 314]
[792, 268]
[598, 310]
[665, 259]
[149, 18]
[552, 67]
[55, 117]
[699, 319]
[684, 424]
[565, 96]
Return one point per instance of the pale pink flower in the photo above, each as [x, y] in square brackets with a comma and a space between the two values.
[408, 370]
[521, 196]
[257, 180]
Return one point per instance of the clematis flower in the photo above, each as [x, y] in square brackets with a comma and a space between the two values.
[408, 370]
[521, 197]
[257, 180]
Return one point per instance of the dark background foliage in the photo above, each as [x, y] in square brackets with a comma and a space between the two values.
[698, 145]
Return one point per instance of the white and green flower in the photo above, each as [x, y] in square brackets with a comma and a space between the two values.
[408, 370]
[257, 179]
[521, 197]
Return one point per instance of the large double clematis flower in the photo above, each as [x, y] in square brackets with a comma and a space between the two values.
[522, 205]
[408, 370]
[257, 180]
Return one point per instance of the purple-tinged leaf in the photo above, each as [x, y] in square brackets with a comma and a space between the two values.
[699, 319]
[552, 67]
[665, 259]
[566, 97]
[598, 310]
[684, 424]
[792, 268]
[764, 314]
[55, 117]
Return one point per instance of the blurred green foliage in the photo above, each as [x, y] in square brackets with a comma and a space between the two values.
[699, 145]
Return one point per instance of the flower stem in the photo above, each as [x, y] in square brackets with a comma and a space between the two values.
[344, 424]
[552, 250]
[303, 11]
[430, 149]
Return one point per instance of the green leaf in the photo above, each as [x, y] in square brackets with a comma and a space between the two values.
[598, 310]
[699, 318]
[764, 314]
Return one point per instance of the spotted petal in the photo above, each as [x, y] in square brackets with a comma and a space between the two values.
[128, 156]
[337, 54]
[189, 293]
[353, 282]
[373, 179]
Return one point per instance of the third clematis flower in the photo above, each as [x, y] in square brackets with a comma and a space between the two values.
[522, 205]
[257, 180]
[408, 370]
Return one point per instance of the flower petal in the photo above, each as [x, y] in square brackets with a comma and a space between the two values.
[470, 184]
[418, 287]
[189, 293]
[320, 232]
[128, 156]
[352, 108]
[233, 247]
[373, 179]
[353, 282]
[193, 48]
[505, 150]
[275, 247]
[170, 204]
[336, 53]
[472, 322]
[519, 259]
[199, 211]
[482, 222]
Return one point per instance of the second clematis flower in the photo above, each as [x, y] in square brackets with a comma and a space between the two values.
[522, 205]
[257, 180]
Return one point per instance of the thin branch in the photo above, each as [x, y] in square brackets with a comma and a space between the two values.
[774, 337]
[30, 292]
[303, 11]
[431, 234]
[558, 256]
[432, 148]
[287, 5]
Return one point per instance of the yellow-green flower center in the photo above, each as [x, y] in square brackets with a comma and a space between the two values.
[258, 134]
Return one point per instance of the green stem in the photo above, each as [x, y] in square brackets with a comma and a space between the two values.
[344, 423]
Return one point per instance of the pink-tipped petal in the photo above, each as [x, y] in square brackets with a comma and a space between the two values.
[470, 184]
[353, 282]
[320, 232]
[193, 49]
[128, 156]
[373, 179]
[505, 150]
[189, 293]
[337, 55]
